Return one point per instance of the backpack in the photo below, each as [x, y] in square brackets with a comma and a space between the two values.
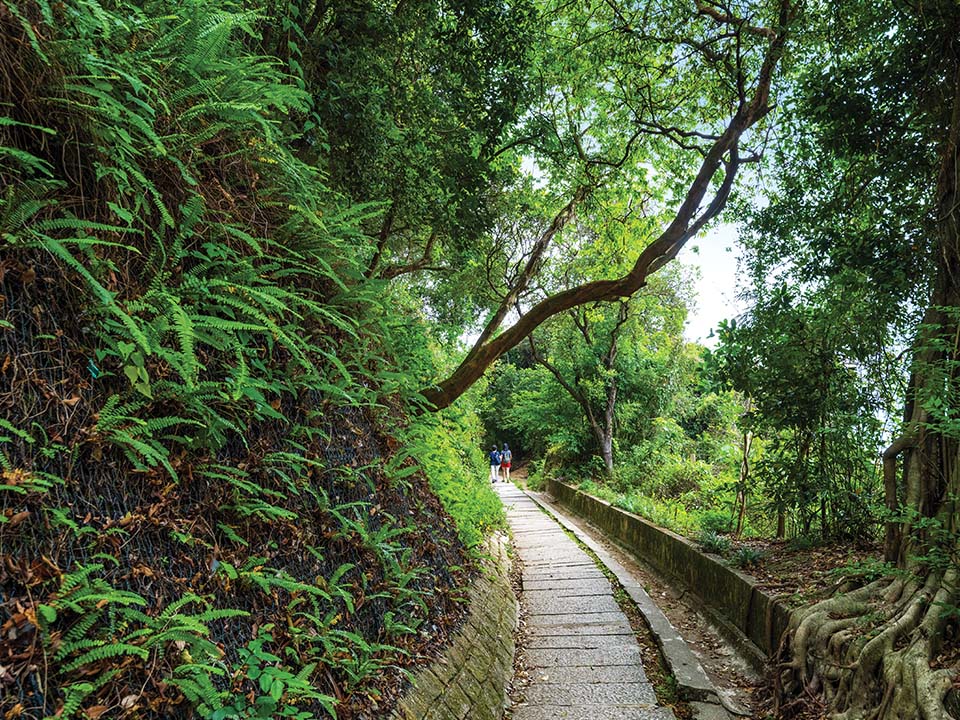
[507, 456]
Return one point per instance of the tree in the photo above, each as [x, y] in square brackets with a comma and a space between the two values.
[656, 106]
[794, 356]
[411, 101]
[884, 109]
[615, 360]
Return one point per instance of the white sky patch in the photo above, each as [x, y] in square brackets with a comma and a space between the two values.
[717, 286]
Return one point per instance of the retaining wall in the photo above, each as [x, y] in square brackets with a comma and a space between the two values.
[469, 681]
[731, 594]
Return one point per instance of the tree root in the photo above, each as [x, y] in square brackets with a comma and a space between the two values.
[866, 654]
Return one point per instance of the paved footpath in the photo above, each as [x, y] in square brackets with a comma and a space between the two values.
[582, 656]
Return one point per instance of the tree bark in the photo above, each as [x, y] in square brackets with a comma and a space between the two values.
[744, 473]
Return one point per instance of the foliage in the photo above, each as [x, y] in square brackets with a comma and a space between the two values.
[449, 448]
[714, 543]
[199, 499]
[813, 402]
[716, 522]
[746, 557]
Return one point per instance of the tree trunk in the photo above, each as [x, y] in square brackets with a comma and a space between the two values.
[606, 449]
[869, 652]
[744, 473]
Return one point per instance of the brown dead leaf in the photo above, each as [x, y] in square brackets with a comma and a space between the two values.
[129, 701]
[72, 400]
[18, 518]
[95, 711]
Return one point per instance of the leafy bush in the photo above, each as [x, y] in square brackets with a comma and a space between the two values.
[536, 478]
[745, 557]
[677, 476]
[716, 521]
[448, 449]
[713, 543]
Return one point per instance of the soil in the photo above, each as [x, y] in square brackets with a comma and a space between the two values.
[804, 573]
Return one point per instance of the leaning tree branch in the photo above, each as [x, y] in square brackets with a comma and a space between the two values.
[690, 218]
[532, 267]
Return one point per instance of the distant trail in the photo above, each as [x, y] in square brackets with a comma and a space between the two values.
[583, 658]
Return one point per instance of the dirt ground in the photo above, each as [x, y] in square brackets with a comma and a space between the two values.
[803, 574]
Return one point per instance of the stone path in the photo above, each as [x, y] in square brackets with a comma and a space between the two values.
[582, 656]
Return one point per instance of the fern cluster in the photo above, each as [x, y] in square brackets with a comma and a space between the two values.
[216, 326]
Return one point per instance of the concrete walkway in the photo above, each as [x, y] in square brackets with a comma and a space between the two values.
[582, 656]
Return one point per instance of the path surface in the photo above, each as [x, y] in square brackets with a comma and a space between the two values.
[582, 656]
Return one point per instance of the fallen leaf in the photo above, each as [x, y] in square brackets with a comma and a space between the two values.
[96, 711]
[18, 518]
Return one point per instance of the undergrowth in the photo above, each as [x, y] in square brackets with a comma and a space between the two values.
[200, 515]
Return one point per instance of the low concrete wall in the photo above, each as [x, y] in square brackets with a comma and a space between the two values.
[469, 681]
[733, 595]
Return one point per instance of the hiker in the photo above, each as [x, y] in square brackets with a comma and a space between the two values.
[505, 457]
[494, 465]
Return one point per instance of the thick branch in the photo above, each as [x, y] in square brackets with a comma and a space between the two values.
[689, 220]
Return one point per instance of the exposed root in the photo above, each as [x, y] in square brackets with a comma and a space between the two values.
[866, 654]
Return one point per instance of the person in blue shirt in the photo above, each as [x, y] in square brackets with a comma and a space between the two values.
[494, 465]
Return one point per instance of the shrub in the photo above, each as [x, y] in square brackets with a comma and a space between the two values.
[447, 447]
[713, 543]
[536, 477]
[744, 557]
[716, 521]
[676, 476]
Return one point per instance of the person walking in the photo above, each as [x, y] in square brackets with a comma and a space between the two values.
[494, 465]
[505, 458]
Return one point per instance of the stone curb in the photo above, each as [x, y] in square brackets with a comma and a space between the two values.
[692, 682]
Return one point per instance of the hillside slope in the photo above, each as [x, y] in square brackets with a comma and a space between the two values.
[202, 512]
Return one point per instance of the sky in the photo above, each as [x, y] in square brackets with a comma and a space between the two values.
[717, 287]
